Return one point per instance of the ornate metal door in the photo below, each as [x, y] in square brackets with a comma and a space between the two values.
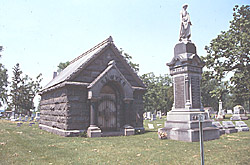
[107, 111]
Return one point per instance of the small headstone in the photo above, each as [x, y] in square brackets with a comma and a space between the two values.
[20, 118]
[148, 115]
[26, 118]
[241, 126]
[230, 112]
[229, 127]
[32, 118]
[153, 117]
[218, 125]
[151, 126]
[158, 114]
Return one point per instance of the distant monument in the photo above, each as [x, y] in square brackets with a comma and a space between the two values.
[186, 69]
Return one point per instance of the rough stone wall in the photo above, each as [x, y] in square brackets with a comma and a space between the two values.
[99, 64]
[78, 109]
[54, 108]
[137, 121]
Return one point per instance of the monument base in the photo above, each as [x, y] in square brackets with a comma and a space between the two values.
[184, 126]
[94, 131]
[128, 130]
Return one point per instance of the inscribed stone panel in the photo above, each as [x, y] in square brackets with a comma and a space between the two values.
[195, 87]
[179, 92]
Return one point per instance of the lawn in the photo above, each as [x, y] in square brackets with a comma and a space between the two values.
[30, 145]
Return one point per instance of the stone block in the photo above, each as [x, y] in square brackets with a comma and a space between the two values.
[128, 130]
[94, 131]
[230, 130]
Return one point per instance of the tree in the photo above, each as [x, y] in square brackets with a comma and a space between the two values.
[3, 84]
[62, 65]
[229, 54]
[159, 95]
[128, 58]
[23, 91]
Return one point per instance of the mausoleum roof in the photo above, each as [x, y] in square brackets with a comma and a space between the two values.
[78, 63]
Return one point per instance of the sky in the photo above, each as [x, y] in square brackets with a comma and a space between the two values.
[40, 34]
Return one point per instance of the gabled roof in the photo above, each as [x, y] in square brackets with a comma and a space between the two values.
[81, 61]
[111, 73]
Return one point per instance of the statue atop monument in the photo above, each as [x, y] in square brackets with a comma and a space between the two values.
[185, 31]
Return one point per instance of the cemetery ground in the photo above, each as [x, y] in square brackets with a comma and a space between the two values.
[30, 145]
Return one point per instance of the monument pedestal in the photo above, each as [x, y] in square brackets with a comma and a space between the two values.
[184, 126]
[182, 121]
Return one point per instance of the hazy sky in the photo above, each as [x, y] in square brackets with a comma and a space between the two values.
[39, 34]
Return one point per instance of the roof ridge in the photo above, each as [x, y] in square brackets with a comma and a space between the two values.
[108, 40]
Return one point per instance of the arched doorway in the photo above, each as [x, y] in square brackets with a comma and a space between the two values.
[107, 109]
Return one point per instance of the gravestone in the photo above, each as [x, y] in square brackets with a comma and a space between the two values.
[220, 113]
[26, 118]
[149, 115]
[239, 113]
[158, 114]
[229, 127]
[229, 112]
[20, 118]
[151, 126]
[241, 126]
[12, 117]
[153, 117]
[182, 121]
[218, 125]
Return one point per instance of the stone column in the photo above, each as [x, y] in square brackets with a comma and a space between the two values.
[93, 113]
[128, 129]
[220, 115]
[187, 91]
[127, 108]
[93, 130]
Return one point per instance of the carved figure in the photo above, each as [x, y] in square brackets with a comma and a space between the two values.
[185, 31]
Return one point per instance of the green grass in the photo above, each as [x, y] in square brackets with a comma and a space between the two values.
[30, 145]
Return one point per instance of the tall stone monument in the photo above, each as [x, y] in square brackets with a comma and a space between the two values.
[220, 114]
[186, 69]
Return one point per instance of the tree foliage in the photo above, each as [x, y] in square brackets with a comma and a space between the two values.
[212, 90]
[159, 95]
[23, 90]
[128, 58]
[3, 84]
[229, 54]
[62, 65]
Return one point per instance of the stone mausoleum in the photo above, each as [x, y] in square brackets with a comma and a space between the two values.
[98, 93]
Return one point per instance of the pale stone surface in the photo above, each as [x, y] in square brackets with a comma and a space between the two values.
[241, 126]
[186, 69]
[94, 131]
[218, 125]
[229, 127]
[220, 114]
[185, 31]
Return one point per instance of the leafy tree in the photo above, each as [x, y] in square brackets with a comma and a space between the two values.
[62, 66]
[3, 84]
[128, 58]
[23, 91]
[159, 95]
[229, 54]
